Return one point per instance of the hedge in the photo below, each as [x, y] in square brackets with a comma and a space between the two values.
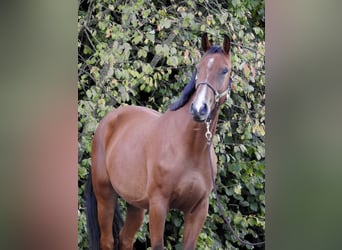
[143, 53]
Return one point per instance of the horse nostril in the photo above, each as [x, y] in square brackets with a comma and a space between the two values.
[203, 109]
[192, 108]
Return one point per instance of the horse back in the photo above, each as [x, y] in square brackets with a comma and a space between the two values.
[121, 121]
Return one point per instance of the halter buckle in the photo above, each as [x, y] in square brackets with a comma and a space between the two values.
[208, 134]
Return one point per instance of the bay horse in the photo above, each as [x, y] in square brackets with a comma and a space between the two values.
[158, 162]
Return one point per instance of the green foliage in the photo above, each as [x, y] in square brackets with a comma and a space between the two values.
[143, 53]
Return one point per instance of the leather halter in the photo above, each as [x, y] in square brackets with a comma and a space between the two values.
[216, 93]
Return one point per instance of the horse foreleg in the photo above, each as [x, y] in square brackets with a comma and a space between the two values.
[158, 209]
[106, 198]
[134, 219]
[193, 223]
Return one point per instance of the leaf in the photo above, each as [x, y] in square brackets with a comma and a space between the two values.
[252, 221]
[237, 189]
[87, 50]
[165, 23]
[172, 61]
[142, 53]
[202, 27]
[177, 222]
[246, 70]
[188, 19]
[102, 25]
[82, 172]
[150, 36]
[235, 2]
[147, 69]
[166, 50]
[251, 188]
[241, 34]
[254, 206]
[237, 219]
[137, 38]
[101, 102]
[159, 49]
[234, 168]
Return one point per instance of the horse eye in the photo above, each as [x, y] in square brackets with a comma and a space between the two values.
[225, 71]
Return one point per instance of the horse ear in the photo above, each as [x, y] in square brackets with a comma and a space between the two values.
[226, 44]
[205, 42]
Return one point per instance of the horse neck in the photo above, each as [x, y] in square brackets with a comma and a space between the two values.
[192, 132]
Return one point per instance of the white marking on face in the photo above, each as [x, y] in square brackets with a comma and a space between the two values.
[200, 99]
[209, 65]
[201, 96]
[210, 62]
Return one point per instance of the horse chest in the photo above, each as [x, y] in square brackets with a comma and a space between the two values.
[189, 192]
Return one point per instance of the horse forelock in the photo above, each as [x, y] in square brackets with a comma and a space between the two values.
[187, 92]
[215, 49]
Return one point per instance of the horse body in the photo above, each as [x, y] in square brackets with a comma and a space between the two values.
[158, 161]
[175, 169]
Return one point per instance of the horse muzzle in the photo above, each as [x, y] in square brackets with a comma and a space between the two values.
[199, 112]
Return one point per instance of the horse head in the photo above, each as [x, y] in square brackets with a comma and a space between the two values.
[211, 80]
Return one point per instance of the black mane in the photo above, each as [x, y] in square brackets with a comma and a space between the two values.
[186, 94]
[191, 86]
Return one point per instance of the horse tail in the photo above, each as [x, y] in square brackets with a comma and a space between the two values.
[117, 224]
[92, 222]
[93, 225]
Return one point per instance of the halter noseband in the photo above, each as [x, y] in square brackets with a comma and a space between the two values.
[217, 95]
